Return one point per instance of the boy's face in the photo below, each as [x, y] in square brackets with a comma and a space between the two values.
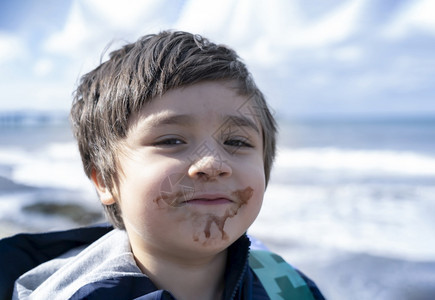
[191, 176]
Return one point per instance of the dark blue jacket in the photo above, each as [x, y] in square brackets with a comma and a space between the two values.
[24, 252]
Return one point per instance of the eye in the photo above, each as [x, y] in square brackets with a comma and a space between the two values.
[169, 142]
[238, 143]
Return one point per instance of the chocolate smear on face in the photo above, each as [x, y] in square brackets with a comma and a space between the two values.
[243, 195]
[175, 190]
[242, 198]
[171, 200]
[177, 200]
[220, 222]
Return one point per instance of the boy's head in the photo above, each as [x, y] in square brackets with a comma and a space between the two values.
[142, 72]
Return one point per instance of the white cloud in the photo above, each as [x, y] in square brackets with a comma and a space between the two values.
[415, 15]
[348, 54]
[43, 67]
[263, 33]
[92, 24]
[205, 17]
[121, 15]
[336, 26]
[12, 48]
[71, 39]
[266, 32]
[279, 39]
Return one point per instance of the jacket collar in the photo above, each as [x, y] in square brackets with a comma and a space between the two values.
[237, 265]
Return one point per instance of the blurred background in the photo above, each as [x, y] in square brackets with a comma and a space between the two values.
[351, 200]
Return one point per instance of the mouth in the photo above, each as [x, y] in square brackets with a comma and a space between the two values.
[209, 199]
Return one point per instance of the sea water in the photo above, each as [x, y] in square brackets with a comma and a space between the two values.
[40, 164]
[365, 186]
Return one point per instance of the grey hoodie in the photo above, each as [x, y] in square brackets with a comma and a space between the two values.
[108, 257]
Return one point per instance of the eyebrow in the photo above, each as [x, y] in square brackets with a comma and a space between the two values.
[168, 119]
[242, 121]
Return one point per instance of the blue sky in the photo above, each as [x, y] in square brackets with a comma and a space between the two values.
[348, 57]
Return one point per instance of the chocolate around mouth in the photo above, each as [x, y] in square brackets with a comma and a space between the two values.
[175, 189]
[242, 197]
[183, 197]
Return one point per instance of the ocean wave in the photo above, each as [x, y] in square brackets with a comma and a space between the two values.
[57, 165]
[357, 161]
[385, 220]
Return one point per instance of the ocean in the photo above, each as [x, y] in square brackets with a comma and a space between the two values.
[350, 202]
[362, 185]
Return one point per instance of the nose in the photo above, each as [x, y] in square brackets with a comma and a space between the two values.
[209, 167]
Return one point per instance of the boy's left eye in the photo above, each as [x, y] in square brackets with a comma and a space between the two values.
[238, 143]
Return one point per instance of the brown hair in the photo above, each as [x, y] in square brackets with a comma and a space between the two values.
[137, 73]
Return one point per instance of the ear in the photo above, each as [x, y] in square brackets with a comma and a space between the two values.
[103, 191]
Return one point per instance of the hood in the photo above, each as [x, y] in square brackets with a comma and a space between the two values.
[108, 257]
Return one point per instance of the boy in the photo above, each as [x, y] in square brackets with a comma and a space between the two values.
[179, 143]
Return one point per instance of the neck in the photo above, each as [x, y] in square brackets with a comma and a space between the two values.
[200, 278]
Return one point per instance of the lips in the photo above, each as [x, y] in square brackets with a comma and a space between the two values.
[209, 199]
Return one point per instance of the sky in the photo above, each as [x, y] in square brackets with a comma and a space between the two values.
[331, 58]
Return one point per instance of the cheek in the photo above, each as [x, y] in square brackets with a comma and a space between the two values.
[174, 188]
[136, 193]
[259, 184]
[253, 205]
[253, 175]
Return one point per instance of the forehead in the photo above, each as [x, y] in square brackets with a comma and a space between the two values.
[206, 100]
[206, 96]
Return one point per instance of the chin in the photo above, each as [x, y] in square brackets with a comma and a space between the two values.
[215, 238]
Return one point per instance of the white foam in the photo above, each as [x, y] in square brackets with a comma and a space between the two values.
[360, 161]
[360, 218]
[58, 165]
